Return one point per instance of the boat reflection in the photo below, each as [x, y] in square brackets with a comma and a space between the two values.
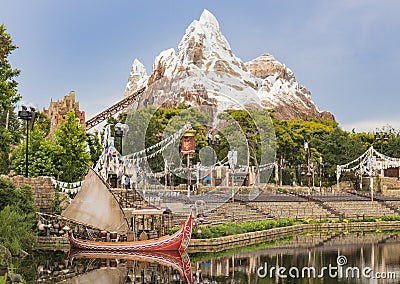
[128, 267]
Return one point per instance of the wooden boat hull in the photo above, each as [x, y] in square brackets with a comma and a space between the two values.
[179, 241]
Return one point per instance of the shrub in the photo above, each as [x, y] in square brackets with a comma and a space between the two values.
[16, 233]
[17, 217]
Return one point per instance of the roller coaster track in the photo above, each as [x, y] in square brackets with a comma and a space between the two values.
[121, 105]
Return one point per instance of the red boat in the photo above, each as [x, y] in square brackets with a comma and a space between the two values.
[176, 242]
[95, 206]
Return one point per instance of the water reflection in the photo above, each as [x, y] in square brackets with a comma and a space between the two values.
[318, 258]
[119, 267]
[380, 252]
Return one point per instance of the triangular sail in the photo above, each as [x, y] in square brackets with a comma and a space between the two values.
[94, 205]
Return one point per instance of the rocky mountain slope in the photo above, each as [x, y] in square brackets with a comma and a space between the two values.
[205, 72]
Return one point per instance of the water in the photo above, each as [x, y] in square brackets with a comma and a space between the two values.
[312, 258]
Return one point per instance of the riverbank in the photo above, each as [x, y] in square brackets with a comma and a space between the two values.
[245, 239]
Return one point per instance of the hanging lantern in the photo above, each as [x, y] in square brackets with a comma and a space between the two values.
[103, 234]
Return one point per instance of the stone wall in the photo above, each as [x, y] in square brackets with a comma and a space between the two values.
[42, 188]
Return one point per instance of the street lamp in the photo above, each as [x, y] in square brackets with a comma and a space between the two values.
[382, 137]
[29, 116]
[120, 130]
[213, 141]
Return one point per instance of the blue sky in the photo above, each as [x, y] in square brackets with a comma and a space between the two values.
[346, 52]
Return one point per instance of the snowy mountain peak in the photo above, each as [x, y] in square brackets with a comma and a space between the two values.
[204, 52]
[208, 19]
[138, 68]
[203, 44]
[137, 78]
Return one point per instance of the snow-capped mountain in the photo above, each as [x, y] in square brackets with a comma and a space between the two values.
[204, 71]
[279, 90]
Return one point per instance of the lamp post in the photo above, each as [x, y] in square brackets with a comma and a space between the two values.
[382, 137]
[29, 116]
[307, 149]
[188, 148]
[120, 130]
[372, 160]
[320, 173]
[232, 159]
[213, 141]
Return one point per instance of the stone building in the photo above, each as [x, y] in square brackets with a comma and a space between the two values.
[58, 109]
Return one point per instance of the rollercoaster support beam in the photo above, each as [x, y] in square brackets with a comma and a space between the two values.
[121, 105]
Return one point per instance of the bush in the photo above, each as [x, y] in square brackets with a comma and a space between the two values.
[17, 217]
[390, 218]
[16, 230]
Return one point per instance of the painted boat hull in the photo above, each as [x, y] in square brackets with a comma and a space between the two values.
[179, 241]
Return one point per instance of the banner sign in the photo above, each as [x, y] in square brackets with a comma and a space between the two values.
[187, 145]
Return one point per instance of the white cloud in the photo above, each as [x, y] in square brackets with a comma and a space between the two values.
[371, 125]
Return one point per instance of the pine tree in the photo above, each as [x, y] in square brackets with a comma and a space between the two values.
[8, 96]
[74, 158]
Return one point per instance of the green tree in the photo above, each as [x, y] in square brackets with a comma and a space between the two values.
[71, 163]
[16, 232]
[43, 155]
[340, 147]
[8, 85]
[17, 217]
[5, 150]
[8, 97]
[291, 135]
[159, 122]
[150, 125]
[43, 123]
[251, 133]
[94, 147]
